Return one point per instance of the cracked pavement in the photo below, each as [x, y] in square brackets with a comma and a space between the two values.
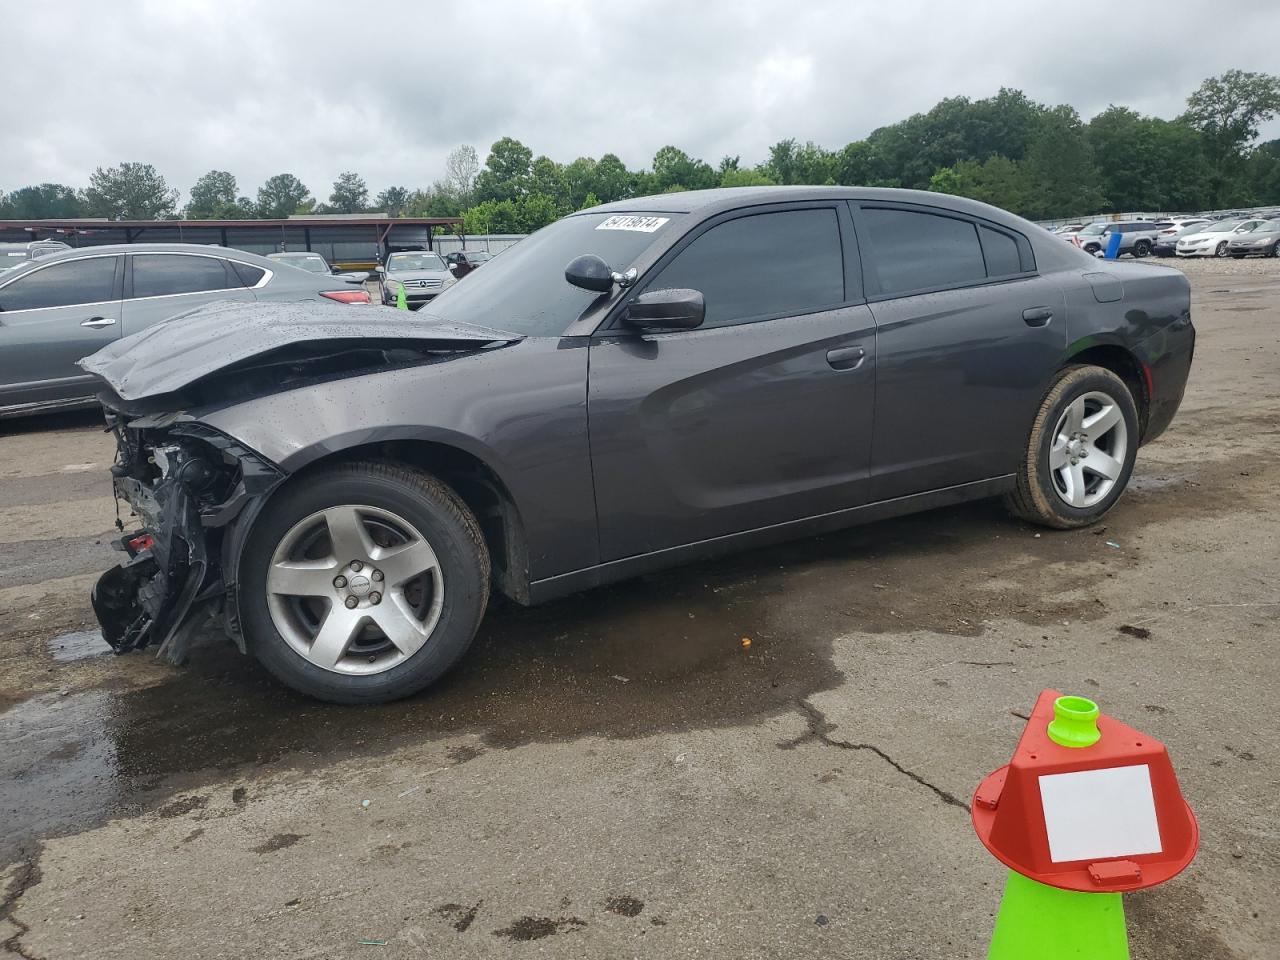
[617, 774]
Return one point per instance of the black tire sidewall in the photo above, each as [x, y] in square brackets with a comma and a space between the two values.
[1087, 380]
[1141, 249]
[465, 592]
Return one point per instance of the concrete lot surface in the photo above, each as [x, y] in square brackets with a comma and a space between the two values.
[617, 775]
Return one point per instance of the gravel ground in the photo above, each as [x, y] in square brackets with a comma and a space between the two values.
[616, 774]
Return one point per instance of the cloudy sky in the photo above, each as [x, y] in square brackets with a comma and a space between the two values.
[387, 89]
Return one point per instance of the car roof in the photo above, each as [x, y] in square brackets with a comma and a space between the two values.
[282, 254]
[117, 248]
[710, 202]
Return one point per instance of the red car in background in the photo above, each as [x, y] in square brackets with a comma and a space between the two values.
[462, 262]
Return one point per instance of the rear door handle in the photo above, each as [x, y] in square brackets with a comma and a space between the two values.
[1037, 316]
[846, 358]
[99, 322]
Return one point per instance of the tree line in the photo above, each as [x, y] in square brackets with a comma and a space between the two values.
[1036, 160]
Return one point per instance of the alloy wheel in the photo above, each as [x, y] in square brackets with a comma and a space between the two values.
[1088, 451]
[354, 589]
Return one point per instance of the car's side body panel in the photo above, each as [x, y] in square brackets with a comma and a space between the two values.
[521, 410]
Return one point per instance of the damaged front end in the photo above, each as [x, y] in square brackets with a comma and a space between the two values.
[187, 484]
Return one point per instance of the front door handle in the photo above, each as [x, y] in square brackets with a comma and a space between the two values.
[1037, 316]
[99, 322]
[846, 358]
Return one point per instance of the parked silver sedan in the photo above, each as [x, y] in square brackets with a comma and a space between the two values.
[60, 308]
[422, 276]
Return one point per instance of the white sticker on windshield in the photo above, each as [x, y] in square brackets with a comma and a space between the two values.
[637, 224]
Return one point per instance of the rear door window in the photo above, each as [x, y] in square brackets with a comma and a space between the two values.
[763, 265]
[91, 280]
[164, 275]
[1001, 253]
[912, 251]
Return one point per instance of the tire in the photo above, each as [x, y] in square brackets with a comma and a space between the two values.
[1141, 249]
[1275, 250]
[1221, 251]
[1043, 493]
[1091, 248]
[386, 516]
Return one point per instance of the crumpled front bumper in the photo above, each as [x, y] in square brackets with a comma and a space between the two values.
[188, 486]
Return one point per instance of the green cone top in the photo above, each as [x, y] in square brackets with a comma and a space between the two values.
[1075, 722]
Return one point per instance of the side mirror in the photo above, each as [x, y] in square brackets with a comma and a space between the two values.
[590, 273]
[380, 268]
[453, 268]
[678, 309]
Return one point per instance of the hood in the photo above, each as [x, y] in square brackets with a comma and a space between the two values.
[227, 336]
[418, 274]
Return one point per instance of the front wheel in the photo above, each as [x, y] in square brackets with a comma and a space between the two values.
[1222, 249]
[363, 584]
[1275, 250]
[1081, 450]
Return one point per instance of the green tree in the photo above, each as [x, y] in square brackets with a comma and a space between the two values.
[591, 200]
[612, 180]
[580, 181]
[547, 179]
[492, 216]
[1228, 111]
[131, 191]
[998, 181]
[46, 201]
[791, 162]
[536, 211]
[1060, 168]
[672, 167]
[744, 178]
[1145, 163]
[215, 197]
[282, 196]
[350, 193]
[506, 172]
[392, 201]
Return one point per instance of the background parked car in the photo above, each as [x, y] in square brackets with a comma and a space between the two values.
[1089, 237]
[1264, 241]
[422, 275]
[462, 262]
[65, 306]
[12, 254]
[1214, 239]
[1166, 244]
[315, 263]
[1137, 237]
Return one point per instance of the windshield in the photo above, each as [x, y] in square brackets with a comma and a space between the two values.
[1271, 226]
[524, 290]
[1222, 227]
[414, 261]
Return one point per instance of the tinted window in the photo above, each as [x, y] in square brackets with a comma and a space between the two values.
[1001, 252]
[162, 275]
[61, 285]
[917, 251]
[249, 275]
[770, 264]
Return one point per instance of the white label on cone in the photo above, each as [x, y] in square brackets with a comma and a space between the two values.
[1100, 814]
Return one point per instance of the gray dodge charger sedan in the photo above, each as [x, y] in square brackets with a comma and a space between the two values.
[635, 386]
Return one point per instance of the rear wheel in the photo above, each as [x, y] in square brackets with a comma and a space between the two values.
[1142, 248]
[364, 584]
[1081, 450]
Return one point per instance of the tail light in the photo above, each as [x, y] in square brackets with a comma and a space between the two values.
[347, 296]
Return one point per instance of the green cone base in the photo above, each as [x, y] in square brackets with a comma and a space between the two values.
[1038, 922]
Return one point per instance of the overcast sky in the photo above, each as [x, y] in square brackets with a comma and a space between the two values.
[260, 88]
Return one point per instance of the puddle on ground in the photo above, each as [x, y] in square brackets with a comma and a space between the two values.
[79, 645]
